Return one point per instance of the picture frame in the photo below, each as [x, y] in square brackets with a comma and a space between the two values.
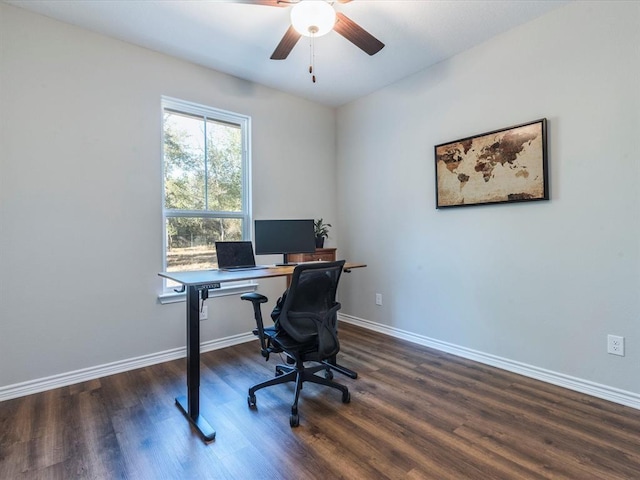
[502, 166]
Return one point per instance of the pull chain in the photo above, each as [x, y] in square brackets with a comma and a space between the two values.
[312, 57]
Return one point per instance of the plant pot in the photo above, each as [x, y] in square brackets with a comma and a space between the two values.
[319, 242]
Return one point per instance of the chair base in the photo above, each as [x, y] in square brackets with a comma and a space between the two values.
[299, 374]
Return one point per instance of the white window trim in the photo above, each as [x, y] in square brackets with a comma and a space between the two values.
[169, 295]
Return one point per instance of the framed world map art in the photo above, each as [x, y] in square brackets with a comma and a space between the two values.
[508, 165]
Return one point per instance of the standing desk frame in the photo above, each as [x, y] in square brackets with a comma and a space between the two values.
[195, 282]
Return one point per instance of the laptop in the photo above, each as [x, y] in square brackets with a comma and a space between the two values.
[236, 256]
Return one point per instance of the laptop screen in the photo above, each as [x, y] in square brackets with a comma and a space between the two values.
[235, 254]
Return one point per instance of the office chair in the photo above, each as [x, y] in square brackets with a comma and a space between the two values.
[305, 331]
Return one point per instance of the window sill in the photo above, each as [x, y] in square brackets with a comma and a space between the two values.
[223, 291]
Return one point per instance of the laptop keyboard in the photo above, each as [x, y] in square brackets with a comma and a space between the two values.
[239, 269]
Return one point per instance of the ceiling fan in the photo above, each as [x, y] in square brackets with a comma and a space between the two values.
[337, 22]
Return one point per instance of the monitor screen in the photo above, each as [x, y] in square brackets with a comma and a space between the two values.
[284, 236]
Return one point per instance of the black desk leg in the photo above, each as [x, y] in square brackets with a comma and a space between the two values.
[339, 368]
[333, 364]
[190, 405]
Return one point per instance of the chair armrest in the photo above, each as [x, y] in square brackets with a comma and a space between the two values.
[254, 297]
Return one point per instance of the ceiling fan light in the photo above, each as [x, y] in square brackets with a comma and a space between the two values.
[313, 18]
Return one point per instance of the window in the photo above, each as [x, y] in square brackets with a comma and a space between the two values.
[206, 183]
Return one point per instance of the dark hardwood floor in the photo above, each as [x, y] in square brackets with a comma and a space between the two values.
[415, 413]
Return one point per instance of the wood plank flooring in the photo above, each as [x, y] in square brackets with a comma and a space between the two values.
[415, 413]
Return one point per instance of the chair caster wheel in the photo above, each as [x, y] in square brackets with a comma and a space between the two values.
[278, 372]
[294, 420]
[346, 397]
[251, 400]
[328, 374]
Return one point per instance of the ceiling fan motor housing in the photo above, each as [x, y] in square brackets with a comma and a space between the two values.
[313, 18]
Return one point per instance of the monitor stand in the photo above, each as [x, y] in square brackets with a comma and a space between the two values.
[285, 260]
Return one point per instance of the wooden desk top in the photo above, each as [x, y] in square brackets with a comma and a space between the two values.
[201, 277]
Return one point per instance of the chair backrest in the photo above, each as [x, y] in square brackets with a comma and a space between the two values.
[310, 308]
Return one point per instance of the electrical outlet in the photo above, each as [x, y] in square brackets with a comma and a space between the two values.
[378, 299]
[615, 345]
[204, 313]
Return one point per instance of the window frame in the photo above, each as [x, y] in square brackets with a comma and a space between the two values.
[185, 107]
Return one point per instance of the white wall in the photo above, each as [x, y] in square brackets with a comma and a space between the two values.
[541, 283]
[80, 192]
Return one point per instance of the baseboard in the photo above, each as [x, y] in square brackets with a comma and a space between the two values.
[605, 392]
[82, 375]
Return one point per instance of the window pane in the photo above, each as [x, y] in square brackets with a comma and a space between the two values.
[224, 165]
[184, 169]
[205, 176]
[191, 241]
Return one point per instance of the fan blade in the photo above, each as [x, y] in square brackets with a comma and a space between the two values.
[287, 43]
[357, 35]
[269, 3]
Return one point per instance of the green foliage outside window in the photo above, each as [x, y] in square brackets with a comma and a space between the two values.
[203, 186]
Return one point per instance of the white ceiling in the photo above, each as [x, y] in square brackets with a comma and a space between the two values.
[238, 38]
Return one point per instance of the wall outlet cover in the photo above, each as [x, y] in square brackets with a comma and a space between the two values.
[615, 345]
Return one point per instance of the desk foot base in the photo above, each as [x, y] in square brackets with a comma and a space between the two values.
[342, 370]
[206, 431]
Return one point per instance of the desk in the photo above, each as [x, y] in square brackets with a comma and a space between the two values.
[194, 282]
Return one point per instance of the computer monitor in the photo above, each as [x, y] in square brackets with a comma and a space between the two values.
[284, 237]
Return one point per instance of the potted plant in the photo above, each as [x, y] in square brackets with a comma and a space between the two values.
[321, 230]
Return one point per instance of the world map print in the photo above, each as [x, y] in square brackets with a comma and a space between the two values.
[503, 166]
